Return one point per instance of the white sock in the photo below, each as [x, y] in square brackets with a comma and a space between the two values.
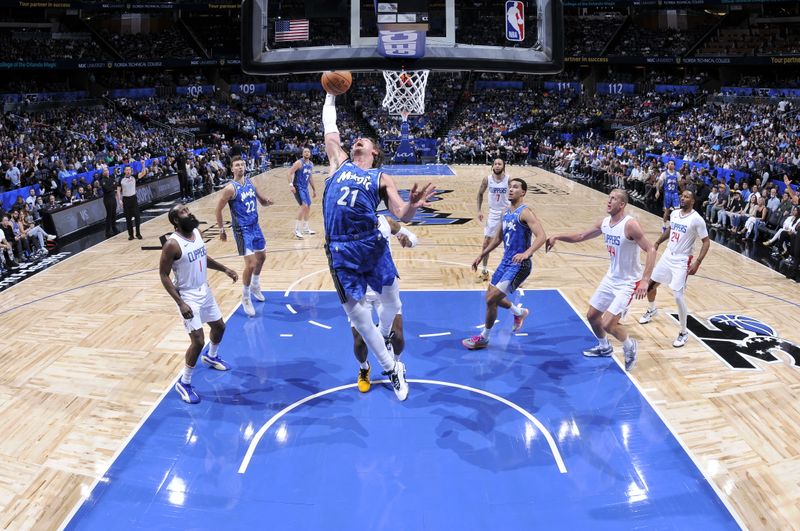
[516, 310]
[604, 342]
[305, 225]
[245, 292]
[364, 366]
[255, 280]
[186, 375]
[212, 350]
[683, 311]
[652, 305]
[297, 226]
[485, 333]
[628, 343]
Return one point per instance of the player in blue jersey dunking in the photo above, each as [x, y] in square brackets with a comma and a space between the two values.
[299, 181]
[358, 255]
[240, 195]
[518, 224]
[669, 180]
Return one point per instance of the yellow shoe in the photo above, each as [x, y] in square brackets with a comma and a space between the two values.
[363, 380]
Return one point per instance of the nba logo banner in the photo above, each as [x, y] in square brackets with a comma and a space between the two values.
[515, 21]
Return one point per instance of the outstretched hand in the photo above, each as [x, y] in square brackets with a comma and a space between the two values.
[550, 243]
[420, 196]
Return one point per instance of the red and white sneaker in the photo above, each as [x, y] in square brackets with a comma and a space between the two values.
[519, 319]
[475, 342]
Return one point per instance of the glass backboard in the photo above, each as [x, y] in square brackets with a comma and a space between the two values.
[305, 36]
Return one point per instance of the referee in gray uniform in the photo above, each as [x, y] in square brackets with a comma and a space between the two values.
[130, 205]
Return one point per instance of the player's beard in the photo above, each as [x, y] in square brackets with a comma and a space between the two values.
[188, 224]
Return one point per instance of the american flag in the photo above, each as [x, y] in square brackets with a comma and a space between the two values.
[291, 30]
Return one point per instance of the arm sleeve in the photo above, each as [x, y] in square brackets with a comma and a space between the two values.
[329, 115]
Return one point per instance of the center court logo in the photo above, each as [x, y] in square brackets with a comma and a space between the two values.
[428, 215]
[735, 338]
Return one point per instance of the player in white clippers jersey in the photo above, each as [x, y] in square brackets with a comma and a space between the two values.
[496, 183]
[184, 254]
[395, 339]
[624, 280]
[677, 262]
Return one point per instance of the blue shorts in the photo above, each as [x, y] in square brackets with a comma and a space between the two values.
[249, 239]
[509, 276]
[302, 196]
[672, 200]
[357, 264]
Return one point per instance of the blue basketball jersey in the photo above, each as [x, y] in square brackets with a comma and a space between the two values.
[243, 204]
[516, 234]
[349, 202]
[671, 182]
[302, 175]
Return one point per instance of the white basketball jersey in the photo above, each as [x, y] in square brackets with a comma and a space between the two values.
[684, 231]
[625, 265]
[498, 193]
[190, 269]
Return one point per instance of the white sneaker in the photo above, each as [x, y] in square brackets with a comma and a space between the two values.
[648, 315]
[51, 237]
[681, 340]
[255, 291]
[247, 306]
[308, 231]
[297, 235]
[397, 377]
[630, 356]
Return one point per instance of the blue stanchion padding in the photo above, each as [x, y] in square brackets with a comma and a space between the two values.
[561, 86]
[305, 86]
[677, 89]
[9, 198]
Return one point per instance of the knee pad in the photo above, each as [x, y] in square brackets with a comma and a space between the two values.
[389, 299]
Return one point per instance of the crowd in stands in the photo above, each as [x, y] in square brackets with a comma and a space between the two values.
[755, 36]
[587, 36]
[638, 40]
[18, 46]
[166, 43]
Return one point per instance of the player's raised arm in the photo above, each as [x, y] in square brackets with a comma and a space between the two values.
[416, 198]
[333, 143]
[588, 234]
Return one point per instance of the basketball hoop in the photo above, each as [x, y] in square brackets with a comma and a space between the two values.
[405, 92]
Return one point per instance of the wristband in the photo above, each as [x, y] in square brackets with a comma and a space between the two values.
[410, 235]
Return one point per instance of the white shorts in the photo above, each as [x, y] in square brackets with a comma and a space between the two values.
[672, 270]
[204, 308]
[613, 296]
[492, 222]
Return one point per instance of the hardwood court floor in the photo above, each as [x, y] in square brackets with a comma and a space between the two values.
[91, 344]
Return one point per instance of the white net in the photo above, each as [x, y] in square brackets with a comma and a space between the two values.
[405, 91]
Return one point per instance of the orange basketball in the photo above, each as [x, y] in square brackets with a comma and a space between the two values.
[336, 82]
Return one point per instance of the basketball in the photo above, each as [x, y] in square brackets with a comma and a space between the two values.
[336, 82]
